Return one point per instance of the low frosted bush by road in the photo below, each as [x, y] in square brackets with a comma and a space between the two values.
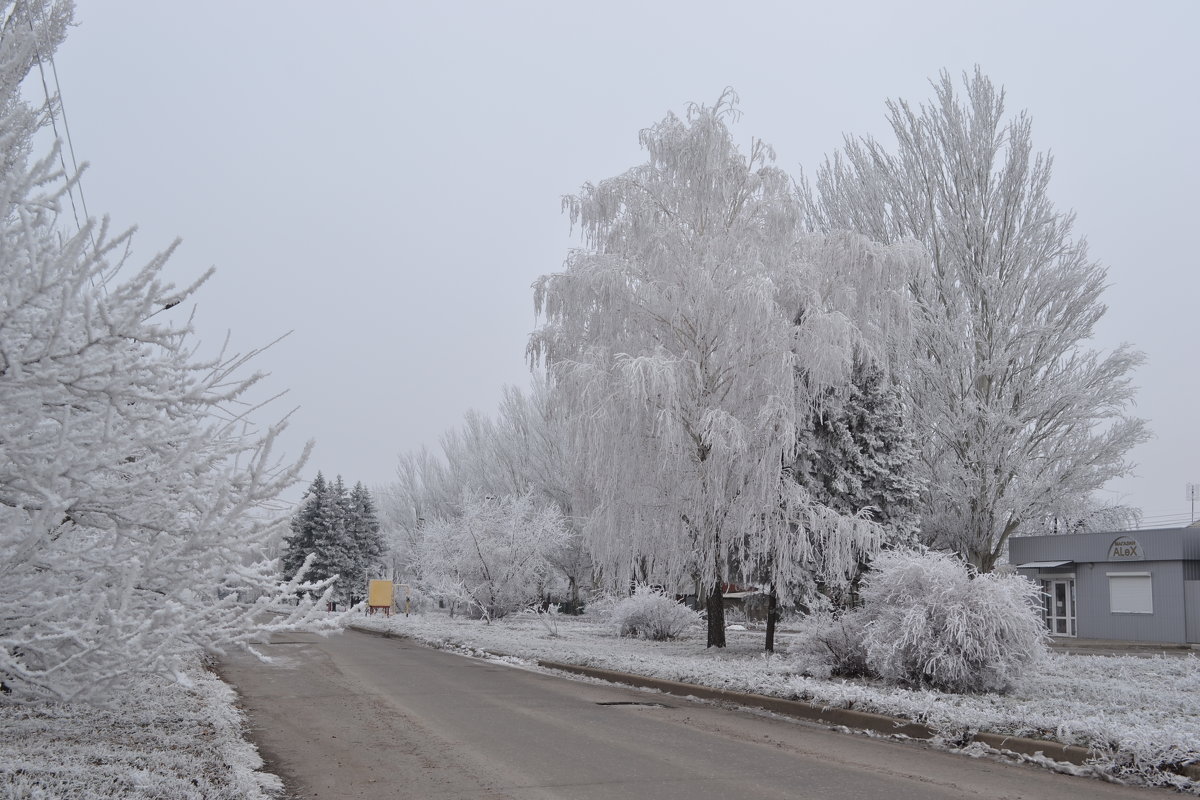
[653, 614]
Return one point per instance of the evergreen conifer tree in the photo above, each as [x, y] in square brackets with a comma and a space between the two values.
[861, 457]
[318, 528]
[864, 453]
[341, 529]
[363, 532]
[302, 540]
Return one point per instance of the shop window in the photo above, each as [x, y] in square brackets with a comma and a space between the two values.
[1130, 593]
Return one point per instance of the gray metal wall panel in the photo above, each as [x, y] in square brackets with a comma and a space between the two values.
[1091, 603]
[1191, 601]
[1158, 545]
[1191, 543]
[1096, 621]
[1191, 570]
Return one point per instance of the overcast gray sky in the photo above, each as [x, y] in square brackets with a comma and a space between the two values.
[384, 179]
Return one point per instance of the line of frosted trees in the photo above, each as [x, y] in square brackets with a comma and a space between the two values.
[742, 378]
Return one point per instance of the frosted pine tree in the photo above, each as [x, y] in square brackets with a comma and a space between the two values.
[303, 537]
[319, 537]
[363, 533]
[864, 454]
[137, 502]
[340, 530]
[335, 552]
[860, 458]
[676, 336]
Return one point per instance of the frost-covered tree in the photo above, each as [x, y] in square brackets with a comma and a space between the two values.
[363, 530]
[689, 338]
[303, 537]
[494, 557]
[534, 431]
[1088, 514]
[862, 453]
[337, 533]
[1017, 416]
[136, 500]
[523, 449]
[318, 536]
[857, 456]
[336, 553]
[407, 503]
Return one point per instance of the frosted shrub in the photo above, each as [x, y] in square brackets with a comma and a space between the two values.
[547, 617]
[927, 620]
[830, 644]
[652, 614]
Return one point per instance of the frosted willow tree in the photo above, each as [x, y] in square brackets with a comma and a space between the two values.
[1018, 417]
[135, 502]
[689, 338]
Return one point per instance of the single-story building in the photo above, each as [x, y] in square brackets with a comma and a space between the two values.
[1140, 586]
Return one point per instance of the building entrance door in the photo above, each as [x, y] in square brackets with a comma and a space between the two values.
[1059, 605]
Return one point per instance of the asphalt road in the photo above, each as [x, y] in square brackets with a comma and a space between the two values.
[359, 716]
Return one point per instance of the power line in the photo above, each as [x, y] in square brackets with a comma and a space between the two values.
[74, 179]
[70, 143]
[1170, 515]
[1175, 521]
[54, 122]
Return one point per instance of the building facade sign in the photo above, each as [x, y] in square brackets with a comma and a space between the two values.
[1126, 548]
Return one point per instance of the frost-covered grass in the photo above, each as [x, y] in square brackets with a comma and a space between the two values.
[159, 741]
[1140, 716]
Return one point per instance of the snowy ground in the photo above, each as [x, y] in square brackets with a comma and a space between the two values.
[1139, 715]
[166, 741]
[160, 741]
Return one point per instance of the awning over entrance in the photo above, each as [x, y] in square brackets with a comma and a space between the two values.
[1043, 564]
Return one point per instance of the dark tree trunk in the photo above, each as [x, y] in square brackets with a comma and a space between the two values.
[574, 602]
[772, 615]
[715, 604]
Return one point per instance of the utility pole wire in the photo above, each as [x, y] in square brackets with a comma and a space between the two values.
[74, 178]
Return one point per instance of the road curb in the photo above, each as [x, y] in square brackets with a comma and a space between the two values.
[800, 709]
[812, 712]
[792, 708]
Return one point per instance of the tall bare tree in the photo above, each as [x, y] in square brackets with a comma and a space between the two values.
[1019, 418]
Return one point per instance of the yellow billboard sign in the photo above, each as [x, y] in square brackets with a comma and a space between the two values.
[379, 594]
